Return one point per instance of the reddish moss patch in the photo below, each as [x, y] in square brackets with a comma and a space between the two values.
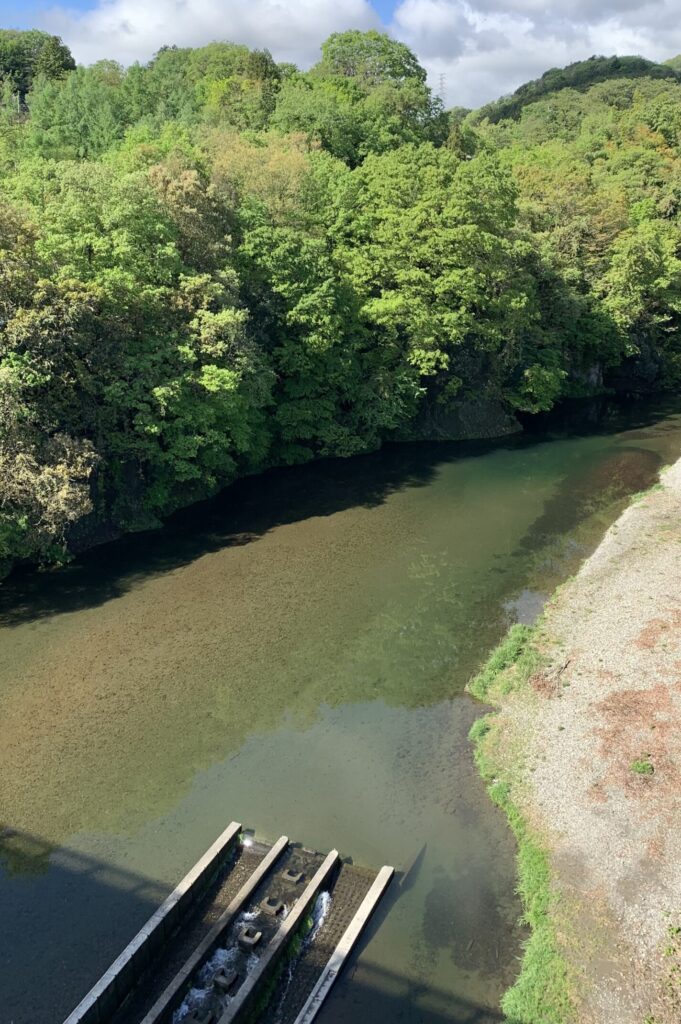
[652, 633]
[641, 725]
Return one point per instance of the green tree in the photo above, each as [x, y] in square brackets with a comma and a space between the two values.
[25, 56]
[367, 95]
[427, 242]
[369, 57]
[80, 117]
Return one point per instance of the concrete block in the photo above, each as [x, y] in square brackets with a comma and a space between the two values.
[292, 876]
[224, 980]
[272, 906]
[249, 938]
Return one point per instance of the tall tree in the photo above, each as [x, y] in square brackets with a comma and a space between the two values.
[26, 55]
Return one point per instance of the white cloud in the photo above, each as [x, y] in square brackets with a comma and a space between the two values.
[130, 30]
[434, 28]
[485, 48]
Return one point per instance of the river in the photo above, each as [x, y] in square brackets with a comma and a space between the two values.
[293, 655]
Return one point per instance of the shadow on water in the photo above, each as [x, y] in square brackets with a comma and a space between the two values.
[82, 902]
[611, 481]
[23, 855]
[369, 992]
[603, 414]
[239, 515]
[62, 916]
[250, 508]
[404, 880]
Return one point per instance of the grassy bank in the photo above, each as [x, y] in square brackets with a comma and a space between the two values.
[542, 992]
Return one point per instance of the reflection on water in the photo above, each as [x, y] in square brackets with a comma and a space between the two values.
[293, 655]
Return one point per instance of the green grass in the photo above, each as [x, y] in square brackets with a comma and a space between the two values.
[638, 496]
[514, 650]
[643, 766]
[541, 994]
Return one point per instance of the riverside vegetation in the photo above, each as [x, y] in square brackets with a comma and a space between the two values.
[543, 991]
[213, 263]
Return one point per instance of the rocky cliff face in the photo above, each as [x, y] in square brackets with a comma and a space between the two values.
[466, 421]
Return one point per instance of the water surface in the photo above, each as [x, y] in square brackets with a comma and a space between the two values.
[293, 655]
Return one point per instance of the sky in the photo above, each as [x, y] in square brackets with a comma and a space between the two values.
[483, 48]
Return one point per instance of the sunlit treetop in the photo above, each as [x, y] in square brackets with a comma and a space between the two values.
[371, 56]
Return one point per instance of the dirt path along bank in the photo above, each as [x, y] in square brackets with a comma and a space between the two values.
[585, 753]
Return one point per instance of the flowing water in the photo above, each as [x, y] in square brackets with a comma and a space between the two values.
[293, 655]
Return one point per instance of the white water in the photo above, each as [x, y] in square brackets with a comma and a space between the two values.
[320, 912]
[198, 997]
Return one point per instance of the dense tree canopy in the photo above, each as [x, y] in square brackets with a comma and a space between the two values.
[370, 57]
[580, 75]
[212, 263]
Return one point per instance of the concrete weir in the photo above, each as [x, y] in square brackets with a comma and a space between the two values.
[109, 993]
[344, 947]
[215, 951]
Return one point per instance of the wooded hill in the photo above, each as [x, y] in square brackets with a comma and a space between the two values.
[581, 75]
[212, 263]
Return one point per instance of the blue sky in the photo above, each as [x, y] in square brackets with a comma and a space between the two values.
[484, 48]
[385, 8]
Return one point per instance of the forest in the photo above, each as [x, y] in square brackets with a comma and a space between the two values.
[213, 263]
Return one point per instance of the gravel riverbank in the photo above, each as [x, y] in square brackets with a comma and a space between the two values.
[588, 744]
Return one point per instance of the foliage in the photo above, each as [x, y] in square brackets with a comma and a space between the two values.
[26, 56]
[442, 285]
[212, 263]
[368, 94]
[597, 174]
[580, 75]
[372, 57]
[79, 117]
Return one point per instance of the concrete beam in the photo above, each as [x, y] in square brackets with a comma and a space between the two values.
[247, 995]
[106, 996]
[173, 995]
[344, 947]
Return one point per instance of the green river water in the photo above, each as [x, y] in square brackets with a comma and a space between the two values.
[293, 655]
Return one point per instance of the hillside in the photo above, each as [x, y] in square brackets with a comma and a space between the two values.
[213, 263]
[580, 75]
